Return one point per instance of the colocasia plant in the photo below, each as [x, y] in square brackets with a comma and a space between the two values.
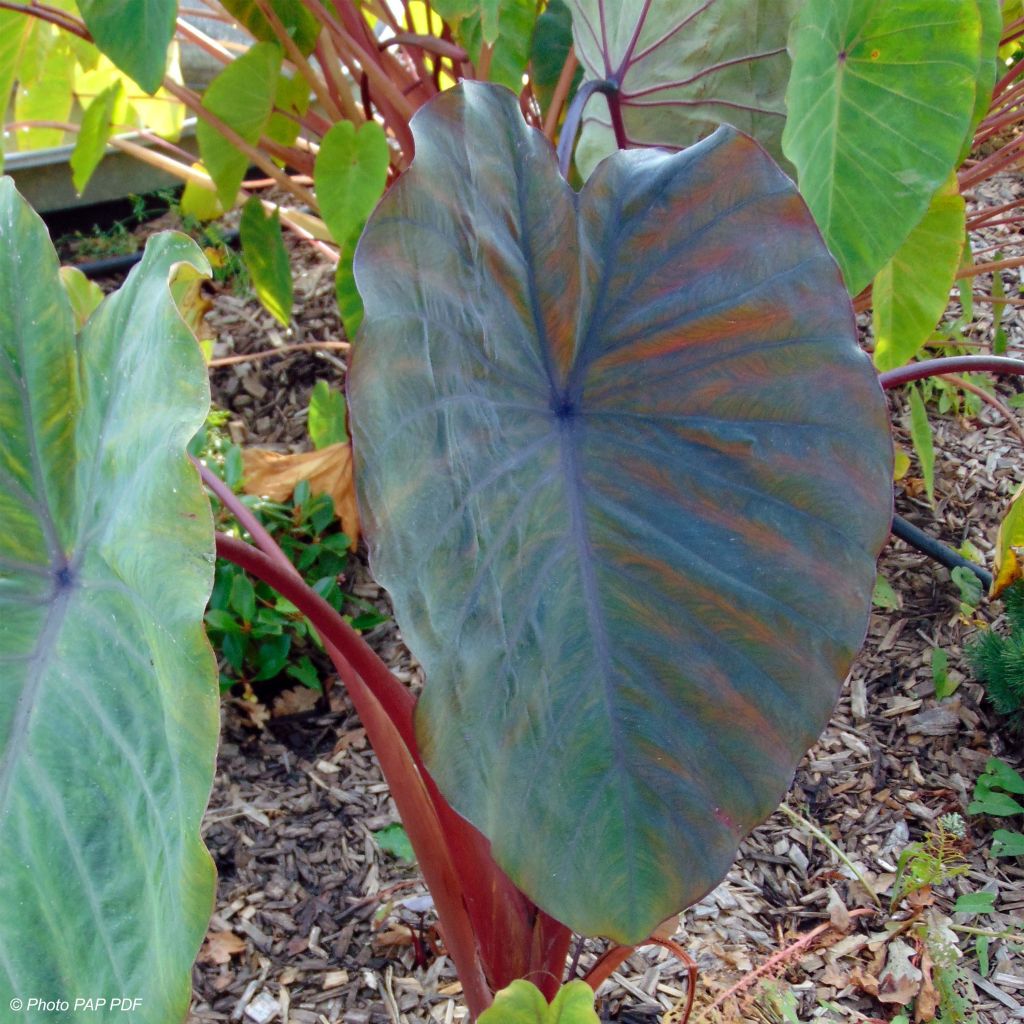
[621, 463]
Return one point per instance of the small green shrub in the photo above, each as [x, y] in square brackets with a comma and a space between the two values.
[998, 661]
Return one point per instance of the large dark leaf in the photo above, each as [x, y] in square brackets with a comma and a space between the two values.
[625, 472]
[683, 68]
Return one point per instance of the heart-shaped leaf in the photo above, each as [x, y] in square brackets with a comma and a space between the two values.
[880, 102]
[684, 67]
[625, 472]
[134, 34]
[242, 96]
[351, 172]
[108, 694]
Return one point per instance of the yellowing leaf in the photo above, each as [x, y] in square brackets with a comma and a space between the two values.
[523, 1003]
[901, 464]
[1011, 536]
[329, 471]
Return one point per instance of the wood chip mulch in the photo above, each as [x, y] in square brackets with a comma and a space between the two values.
[315, 924]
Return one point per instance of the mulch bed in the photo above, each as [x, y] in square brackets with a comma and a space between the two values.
[315, 924]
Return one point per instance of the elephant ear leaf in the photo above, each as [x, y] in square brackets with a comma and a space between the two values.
[108, 695]
[880, 102]
[626, 473]
[683, 68]
[134, 34]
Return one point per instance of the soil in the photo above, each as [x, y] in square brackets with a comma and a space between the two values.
[315, 923]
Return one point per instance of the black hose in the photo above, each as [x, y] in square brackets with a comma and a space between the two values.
[120, 264]
[917, 538]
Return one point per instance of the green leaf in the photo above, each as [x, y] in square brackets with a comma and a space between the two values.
[551, 45]
[879, 100]
[684, 68]
[999, 773]
[921, 438]
[134, 34]
[46, 96]
[975, 903]
[393, 840]
[883, 596]
[998, 805]
[911, 291]
[940, 674]
[242, 96]
[84, 295]
[968, 584]
[292, 99]
[350, 174]
[991, 15]
[200, 202]
[489, 14]
[626, 471]
[267, 259]
[108, 699]
[299, 22]
[350, 305]
[101, 114]
[306, 673]
[511, 38]
[326, 416]
[523, 1003]
[16, 34]
[272, 656]
[222, 621]
[1007, 844]
[243, 597]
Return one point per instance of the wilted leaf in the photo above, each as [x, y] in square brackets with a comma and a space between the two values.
[900, 980]
[295, 701]
[329, 471]
[220, 947]
[1009, 539]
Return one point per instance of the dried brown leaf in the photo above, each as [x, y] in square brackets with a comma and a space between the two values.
[295, 701]
[900, 980]
[220, 947]
[328, 471]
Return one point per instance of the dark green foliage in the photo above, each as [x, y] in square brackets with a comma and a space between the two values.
[998, 661]
[257, 634]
